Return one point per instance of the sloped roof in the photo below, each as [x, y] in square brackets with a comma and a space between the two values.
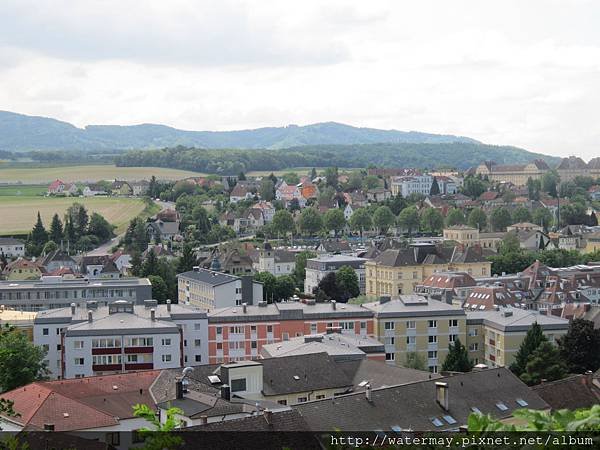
[571, 393]
[572, 163]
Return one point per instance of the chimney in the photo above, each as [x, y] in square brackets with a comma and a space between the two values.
[441, 394]
[589, 378]
[178, 389]
[73, 306]
[333, 304]
[196, 268]
[225, 392]
[268, 416]
[90, 318]
[169, 305]
[48, 427]
[368, 392]
[245, 307]
[153, 314]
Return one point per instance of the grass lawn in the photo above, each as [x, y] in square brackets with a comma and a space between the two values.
[22, 190]
[18, 214]
[93, 173]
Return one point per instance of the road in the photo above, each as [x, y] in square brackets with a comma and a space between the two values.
[105, 249]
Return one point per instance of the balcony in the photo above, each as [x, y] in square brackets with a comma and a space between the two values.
[106, 367]
[138, 366]
[106, 351]
[139, 349]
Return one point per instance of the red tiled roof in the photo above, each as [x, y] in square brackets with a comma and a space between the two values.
[488, 195]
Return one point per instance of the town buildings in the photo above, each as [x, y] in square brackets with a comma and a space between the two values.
[11, 248]
[469, 236]
[275, 261]
[91, 340]
[317, 268]
[407, 185]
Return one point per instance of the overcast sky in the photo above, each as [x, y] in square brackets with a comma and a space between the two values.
[523, 73]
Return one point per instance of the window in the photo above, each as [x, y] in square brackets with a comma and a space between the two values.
[432, 354]
[475, 409]
[219, 346]
[432, 323]
[253, 329]
[453, 323]
[282, 402]
[236, 330]
[166, 341]
[473, 332]
[388, 325]
[219, 330]
[501, 406]
[269, 328]
[198, 358]
[320, 397]
[113, 439]
[437, 422]
[79, 361]
[78, 344]
[285, 336]
[58, 347]
[432, 339]
[238, 385]
[474, 347]
[347, 325]
[197, 342]
[433, 369]
[302, 399]
[197, 326]
[390, 356]
[522, 402]
[166, 358]
[253, 344]
[452, 337]
[45, 331]
[451, 420]
[313, 328]
[411, 324]
[45, 347]
[390, 340]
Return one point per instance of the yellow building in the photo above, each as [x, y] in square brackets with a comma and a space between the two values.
[21, 320]
[22, 269]
[592, 242]
[518, 174]
[413, 325]
[470, 236]
[399, 271]
[494, 337]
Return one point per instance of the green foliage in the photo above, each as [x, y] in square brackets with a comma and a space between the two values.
[409, 219]
[347, 283]
[300, 268]
[276, 288]
[542, 217]
[500, 219]
[560, 257]
[328, 287]
[477, 219]
[56, 229]
[510, 243]
[474, 187]
[521, 214]
[283, 222]
[549, 182]
[533, 339]
[533, 189]
[455, 217]
[49, 247]
[545, 363]
[136, 237]
[435, 187]
[361, 220]
[267, 189]
[159, 437]
[331, 177]
[355, 181]
[579, 347]
[291, 178]
[511, 262]
[457, 359]
[371, 182]
[334, 220]
[21, 362]
[414, 360]
[573, 214]
[432, 221]
[160, 291]
[100, 227]
[187, 261]
[310, 221]
[383, 219]
[37, 238]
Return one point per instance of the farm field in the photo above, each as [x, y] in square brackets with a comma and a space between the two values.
[93, 173]
[18, 214]
[23, 190]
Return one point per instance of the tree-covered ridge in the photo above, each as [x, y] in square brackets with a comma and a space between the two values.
[232, 161]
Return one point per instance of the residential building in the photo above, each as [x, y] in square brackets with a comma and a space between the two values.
[58, 259]
[57, 292]
[412, 324]
[592, 242]
[377, 195]
[12, 248]
[574, 392]
[267, 209]
[121, 337]
[59, 187]
[524, 226]
[22, 269]
[240, 193]
[120, 187]
[317, 268]
[334, 247]
[210, 289]
[448, 185]
[98, 267]
[494, 336]
[91, 190]
[431, 405]
[163, 230]
[238, 333]
[275, 261]
[470, 237]
[229, 260]
[416, 184]
[447, 286]
[399, 271]
[490, 297]
[286, 193]
[139, 187]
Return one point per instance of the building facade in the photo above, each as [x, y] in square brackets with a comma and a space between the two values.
[317, 268]
[12, 248]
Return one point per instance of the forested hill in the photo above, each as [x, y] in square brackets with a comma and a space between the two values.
[19, 133]
[231, 161]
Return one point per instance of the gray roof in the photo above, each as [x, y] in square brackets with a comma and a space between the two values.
[208, 276]
[10, 241]
[413, 305]
[77, 283]
[428, 254]
[516, 319]
[132, 323]
[413, 406]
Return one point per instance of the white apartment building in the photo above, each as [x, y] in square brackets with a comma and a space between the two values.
[209, 289]
[417, 184]
[317, 268]
[121, 337]
[12, 248]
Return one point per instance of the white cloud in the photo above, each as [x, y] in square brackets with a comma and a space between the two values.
[519, 73]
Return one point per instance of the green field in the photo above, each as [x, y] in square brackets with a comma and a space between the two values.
[23, 190]
[18, 214]
[91, 173]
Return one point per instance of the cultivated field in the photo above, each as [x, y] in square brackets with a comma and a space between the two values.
[40, 175]
[18, 214]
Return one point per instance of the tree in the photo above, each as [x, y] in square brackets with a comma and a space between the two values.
[312, 174]
[473, 187]
[354, 181]
[21, 362]
[415, 361]
[500, 219]
[579, 347]
[291, 178]
[100, 227]
[331, 177]
[432, 221]
[334, 220]
[457, 359]
[347, 282]
[283, 222]
[49, 247]
[542, 217]
[269, 282]
[573, 214]
[159, 437]
[150, 264]
[510, 243]
[69, 231]
[187, 261]
[397, 204]
[360, 220]
[521, 214]
[78, 216]
[329, 286]
[545, 363]
[477, 219]
[409, 219]
[511, 262]
[310, 221]
[241, 176]
[455, 217]
[300, 268]
[371, 182]
[508, 196]
[201, 220]
[533, 189]
[435, 187]
[549, 182]
[285, 287]
[531, 342]
[267, 189]
[383, 219]
[38, 236]
[153, 189]
[56, 230]
[160, 290]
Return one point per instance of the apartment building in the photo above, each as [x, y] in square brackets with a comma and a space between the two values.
[317, 268]
[210, 289]
[412, 324]
[50, 292]
[11, 247]
[494, 336]
[121, 337]
[238, 333]
[399, 271]
[415, 184]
